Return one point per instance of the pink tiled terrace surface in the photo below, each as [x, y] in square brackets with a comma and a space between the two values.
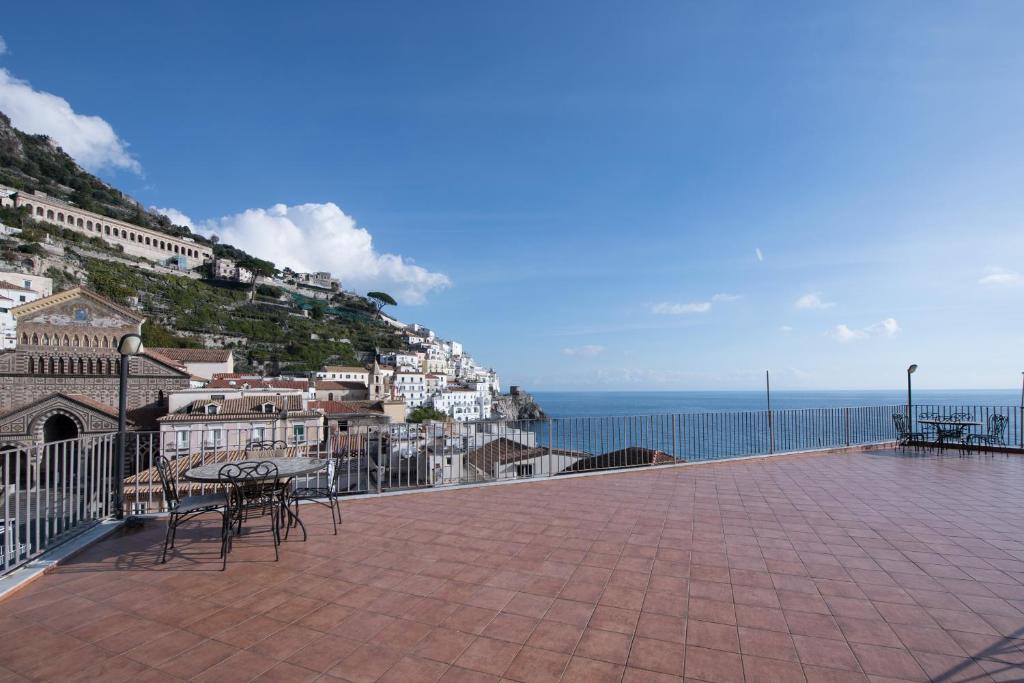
[835, 568]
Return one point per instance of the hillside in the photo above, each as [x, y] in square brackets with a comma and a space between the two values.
[276, 331]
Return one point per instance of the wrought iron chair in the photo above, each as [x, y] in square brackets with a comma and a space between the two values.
[252, 486]
[904, 436]
[952, 432]
[994, 436]
[318, 493]
[930, 431]
[184, 508]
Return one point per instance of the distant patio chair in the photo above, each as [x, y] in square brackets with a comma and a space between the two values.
[994, 436]
[904, 436]
[930, 431]
[184, 508]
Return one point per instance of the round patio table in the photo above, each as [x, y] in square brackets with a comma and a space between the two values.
[287, 469]
[939, 423]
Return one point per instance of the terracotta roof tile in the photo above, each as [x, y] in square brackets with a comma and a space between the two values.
[195, 355]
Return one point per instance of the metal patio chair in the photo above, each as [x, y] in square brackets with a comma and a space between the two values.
[904, 436]
[317, 494]
[184, 508]
[953, 433]
[995, 435]
[252, 487]
[930, 431]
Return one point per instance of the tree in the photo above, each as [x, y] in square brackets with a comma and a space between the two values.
[259, 268]
[380, 300]
[424, 413]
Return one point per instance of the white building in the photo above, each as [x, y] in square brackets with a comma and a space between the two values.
[37, 283]
[12, 295]
[226, 269]
[403, 360]
[344, 373]
[133, 239]
[411, 387]
[462, 404]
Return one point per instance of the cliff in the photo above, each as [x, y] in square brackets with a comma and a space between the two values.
[517, 405]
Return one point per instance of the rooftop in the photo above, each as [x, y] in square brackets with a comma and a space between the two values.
[856, 566]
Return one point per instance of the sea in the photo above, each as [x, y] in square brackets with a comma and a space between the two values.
[619, 403]
[696, 425]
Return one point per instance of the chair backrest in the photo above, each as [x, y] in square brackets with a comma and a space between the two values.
[900, 420]
[961, 417]
[997, 425]
[249, 481]
[163, 468]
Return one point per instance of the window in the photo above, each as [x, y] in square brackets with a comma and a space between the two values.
[213, 437]
[268, 408]
[259, 433]
[21, 298]
[181, 439]
[212, 409]
[524, 470]
[217, 397]
[299, 433]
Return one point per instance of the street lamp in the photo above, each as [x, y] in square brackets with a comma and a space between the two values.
[130, 345]
[910, 371]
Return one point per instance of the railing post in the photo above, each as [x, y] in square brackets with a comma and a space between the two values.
[846, 415]
[673, 418]
[551, 464]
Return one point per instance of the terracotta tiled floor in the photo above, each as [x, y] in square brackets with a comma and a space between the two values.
[834, 568]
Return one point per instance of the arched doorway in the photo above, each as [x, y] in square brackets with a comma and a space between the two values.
[58, 428]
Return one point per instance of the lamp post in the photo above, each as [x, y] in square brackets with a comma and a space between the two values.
[910, 371]
[130, 345]
[771, 422]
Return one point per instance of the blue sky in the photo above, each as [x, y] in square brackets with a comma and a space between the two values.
[579, 191]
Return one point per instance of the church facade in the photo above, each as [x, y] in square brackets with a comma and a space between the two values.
[62, 378]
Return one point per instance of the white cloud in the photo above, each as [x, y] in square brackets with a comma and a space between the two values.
[785, 329]
[843, 333]
[312, 237]
[1000, 276]
[758, 254]
[886, 328]
[812, 301]
[585, 351]
[90, 140]
[177, 217]
[3, 46]
[725, 297]
[668, 308]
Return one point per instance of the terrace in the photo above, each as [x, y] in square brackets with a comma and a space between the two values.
[852, 565]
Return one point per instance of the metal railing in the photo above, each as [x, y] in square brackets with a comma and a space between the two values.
[50, 491]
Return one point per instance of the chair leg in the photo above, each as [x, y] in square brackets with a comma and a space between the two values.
[167, 537]
[332, 502]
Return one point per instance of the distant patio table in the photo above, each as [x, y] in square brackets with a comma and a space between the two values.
[945, 428]
[287, 469]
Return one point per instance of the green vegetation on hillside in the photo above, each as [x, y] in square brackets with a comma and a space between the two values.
[425, 413]
[276, 331]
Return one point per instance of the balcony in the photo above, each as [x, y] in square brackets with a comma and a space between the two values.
[851, 565]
